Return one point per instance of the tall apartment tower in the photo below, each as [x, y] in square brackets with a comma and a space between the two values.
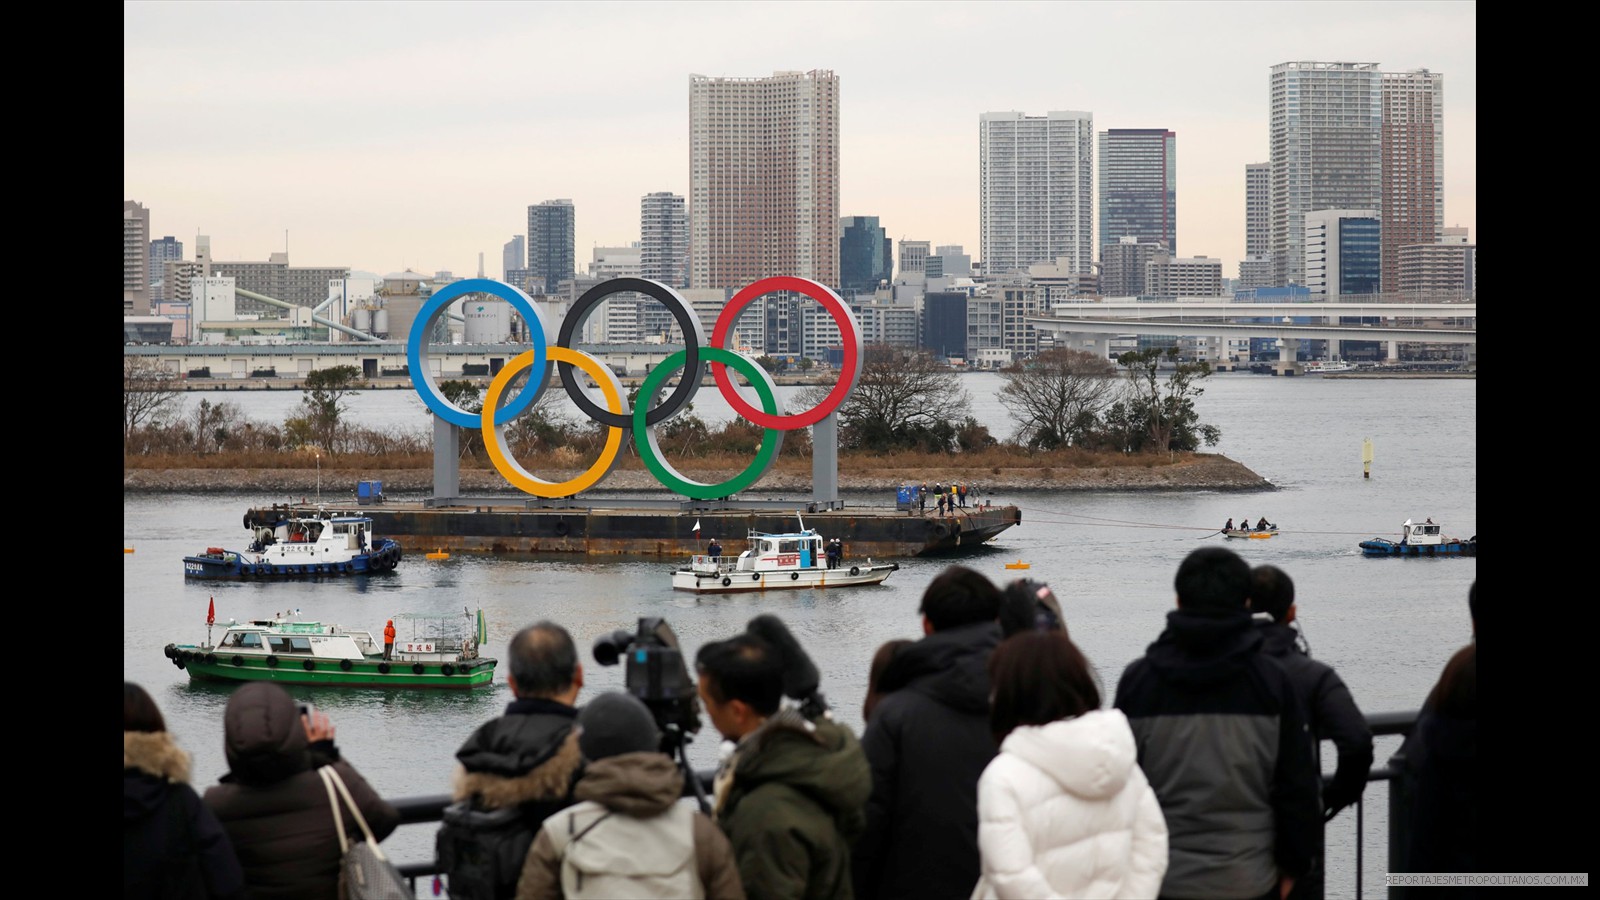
[763, 178]
[664, 239]
[163, 251]
[1325, 143]
[1138, 186]
[135, 259]
[1255, 270]
[550, 243]
[513, 256]
[1413, 165]
[1035, 190]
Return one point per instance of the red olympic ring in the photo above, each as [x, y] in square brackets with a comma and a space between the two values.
[847, 331]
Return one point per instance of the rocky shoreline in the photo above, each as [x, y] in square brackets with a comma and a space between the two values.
[1199, 472]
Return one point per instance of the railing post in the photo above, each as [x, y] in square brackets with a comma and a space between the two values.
[1400, 814]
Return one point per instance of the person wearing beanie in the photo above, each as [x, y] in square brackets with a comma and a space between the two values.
[273, 804]
[1222, 739]
[629, 835]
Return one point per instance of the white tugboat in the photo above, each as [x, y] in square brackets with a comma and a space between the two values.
[797, 559]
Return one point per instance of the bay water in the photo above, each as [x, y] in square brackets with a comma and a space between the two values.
[1386, 625]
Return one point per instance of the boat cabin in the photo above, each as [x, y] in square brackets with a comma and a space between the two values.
[770, 553]
[352, 533]
[1425, 534]
[299, 639]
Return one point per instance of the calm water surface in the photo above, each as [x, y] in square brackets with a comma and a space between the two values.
[1387, 626]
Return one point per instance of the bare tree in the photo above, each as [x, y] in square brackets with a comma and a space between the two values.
[904, 398]
[149, 395]
[1057, 396]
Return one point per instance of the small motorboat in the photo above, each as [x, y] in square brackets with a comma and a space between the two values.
[1426, 539]
[1259, 534]
[300, 546]
[796, 559]
[429, 652]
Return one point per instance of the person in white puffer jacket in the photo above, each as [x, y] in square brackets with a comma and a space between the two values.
[1064, 810]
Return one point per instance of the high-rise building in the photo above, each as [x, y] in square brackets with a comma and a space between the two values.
[135, 259]
[551, 258]
[1255, 270]
[944, 324]
[1171, 277]
[664, 239]
[513, 256]
[764, 178]
[1139, 186]
[1325, 142]
[914, 256]
[167, 249]
[1446, 270]
[864, 254]
[1035, 190]
[1342, 255]
[1413, 165]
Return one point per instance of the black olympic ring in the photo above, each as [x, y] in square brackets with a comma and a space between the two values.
[693, 338]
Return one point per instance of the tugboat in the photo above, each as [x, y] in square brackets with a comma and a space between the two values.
[299, 546]
[796, 559]
[1425, 539]
[439, 652]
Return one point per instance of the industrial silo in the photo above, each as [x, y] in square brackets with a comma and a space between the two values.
[361, 319]
[488, 320]
[380, 323]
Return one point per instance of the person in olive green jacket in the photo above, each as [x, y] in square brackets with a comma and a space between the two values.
[792, 795]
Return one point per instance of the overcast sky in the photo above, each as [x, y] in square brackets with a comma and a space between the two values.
[384, 136]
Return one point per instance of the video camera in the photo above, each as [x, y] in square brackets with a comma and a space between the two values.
[658, 675]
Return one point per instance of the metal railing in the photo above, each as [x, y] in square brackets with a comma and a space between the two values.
[430, 808]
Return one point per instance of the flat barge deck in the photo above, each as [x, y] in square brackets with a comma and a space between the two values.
[512, 528]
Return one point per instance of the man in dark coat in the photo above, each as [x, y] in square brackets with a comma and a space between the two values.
[928, 742]
[789, 797]
[529, 756]
[1331, 713]
[275, 806]
[1223, 741]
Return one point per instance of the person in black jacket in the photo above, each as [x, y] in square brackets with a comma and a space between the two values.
[172, 846]
[1331, 713]
[1223, 741]
[928, 742]
[527, 759]
[273, 803]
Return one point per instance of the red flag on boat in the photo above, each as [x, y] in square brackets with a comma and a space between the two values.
[211, 612]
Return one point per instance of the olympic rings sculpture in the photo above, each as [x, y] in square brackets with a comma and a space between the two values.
[615, 415]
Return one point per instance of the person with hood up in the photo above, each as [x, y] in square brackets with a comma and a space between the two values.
[172, 846]
[388, 639]
[628, 835]
[1224, 742]
[790, 794]
[928, 742]
[275, 806]
[1064, 810]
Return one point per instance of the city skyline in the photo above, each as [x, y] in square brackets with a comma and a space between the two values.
[318, 128]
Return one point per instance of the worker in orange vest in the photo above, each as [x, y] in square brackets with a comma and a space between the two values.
[388, 640]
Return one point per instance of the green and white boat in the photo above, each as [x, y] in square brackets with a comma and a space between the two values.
[432, 652]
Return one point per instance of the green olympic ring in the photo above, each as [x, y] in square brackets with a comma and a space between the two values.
[644, 436]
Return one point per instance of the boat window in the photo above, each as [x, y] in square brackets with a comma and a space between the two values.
[788, 546]
[282, 644]
[252, 639]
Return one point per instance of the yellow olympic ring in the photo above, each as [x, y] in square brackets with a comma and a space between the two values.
[494, 436]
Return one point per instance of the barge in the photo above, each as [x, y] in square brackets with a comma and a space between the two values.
[514, 527]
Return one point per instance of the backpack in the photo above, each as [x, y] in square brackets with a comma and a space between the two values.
[619, 857]
[481, 851]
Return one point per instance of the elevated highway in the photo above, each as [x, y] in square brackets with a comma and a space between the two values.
[1093, 323]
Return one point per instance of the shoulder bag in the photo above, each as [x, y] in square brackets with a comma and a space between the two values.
[365, 873]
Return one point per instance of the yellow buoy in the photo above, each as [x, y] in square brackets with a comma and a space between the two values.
[1019, 564]
[127, 549]
[438, 554]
